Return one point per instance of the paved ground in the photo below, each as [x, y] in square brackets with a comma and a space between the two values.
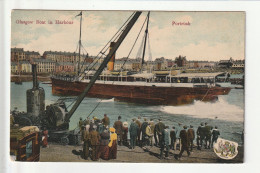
[69, 153]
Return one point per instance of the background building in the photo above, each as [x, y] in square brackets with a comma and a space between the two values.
[181, 61]
[17, 54]
[44, 65]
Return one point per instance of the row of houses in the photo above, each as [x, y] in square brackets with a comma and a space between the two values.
[18, 54]
[57, 62]
[50, 66]
[237, 64]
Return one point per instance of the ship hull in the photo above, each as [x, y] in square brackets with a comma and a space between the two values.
[152, 95]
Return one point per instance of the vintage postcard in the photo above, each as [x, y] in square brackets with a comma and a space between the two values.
[127, 86]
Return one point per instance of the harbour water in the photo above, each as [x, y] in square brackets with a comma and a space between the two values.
[227, 113]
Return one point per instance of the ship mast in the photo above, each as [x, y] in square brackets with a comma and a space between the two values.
[146, 33]
[103, 65]
[80, 14]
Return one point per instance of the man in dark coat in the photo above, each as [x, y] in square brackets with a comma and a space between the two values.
[94, 138]
[133, 130]
[105, 120]
[118, 125]
[207, 133]
[191, 136]
[139, 123]
[200, 135]
[215, 134]
[165, 143]
[143, 130]
[155, 135]
[159, 130]
[184, 142]
[173, 138]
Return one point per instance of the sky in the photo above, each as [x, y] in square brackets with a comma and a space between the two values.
[211, 36]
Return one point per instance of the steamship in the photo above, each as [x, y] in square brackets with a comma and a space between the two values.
[143, 87]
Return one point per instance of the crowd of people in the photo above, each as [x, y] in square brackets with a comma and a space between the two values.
[103, 138]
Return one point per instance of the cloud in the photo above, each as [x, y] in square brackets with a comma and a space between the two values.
[211, 36]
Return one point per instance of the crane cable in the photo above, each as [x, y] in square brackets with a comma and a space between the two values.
[115, 36]
[122, 65]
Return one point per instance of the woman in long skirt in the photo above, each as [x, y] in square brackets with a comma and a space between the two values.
[112, 144]
[103, 148]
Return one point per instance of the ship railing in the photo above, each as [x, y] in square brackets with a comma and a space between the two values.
[68, 78]
[205, 81]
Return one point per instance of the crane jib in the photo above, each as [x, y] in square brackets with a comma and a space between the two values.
[103, 65]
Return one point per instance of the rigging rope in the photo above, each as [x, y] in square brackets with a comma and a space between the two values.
[115, 36]
[149, 49]
[140, 51]
[122, 65]
[205, 94]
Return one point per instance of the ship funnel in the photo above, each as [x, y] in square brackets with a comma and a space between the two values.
[110, 65]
